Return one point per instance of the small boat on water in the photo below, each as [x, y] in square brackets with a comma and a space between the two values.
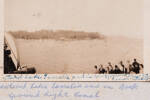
[11, 58]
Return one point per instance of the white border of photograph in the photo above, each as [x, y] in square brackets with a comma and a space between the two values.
[81, 77]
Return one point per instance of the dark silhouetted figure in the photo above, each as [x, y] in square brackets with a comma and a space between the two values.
[129, 67]
[136, 66]
[123, 67]
[95, 66]
[110, 68]
[117, 70]
[102, 70]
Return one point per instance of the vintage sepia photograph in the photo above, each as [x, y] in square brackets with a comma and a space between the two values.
[73, 37]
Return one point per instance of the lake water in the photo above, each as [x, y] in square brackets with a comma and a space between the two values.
[54, 57]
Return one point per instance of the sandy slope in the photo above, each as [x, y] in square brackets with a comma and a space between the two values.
[51, 56]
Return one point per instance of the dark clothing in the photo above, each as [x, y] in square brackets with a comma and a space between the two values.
[117, 71]
[126, 70]
[111, 71]
[102, 70]
[136, 67]
[123, 68]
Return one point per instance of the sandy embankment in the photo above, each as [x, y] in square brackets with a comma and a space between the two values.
[53, 57]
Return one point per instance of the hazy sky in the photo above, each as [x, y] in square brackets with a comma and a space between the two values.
[123, 17]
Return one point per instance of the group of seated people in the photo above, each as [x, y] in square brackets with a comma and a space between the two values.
[133, 67]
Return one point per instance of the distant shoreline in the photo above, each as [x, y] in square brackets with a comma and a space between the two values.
[57, 35]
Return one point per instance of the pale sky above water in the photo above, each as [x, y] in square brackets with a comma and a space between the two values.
[115, 17]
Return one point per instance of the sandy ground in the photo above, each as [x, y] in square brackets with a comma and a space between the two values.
[53, 57]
